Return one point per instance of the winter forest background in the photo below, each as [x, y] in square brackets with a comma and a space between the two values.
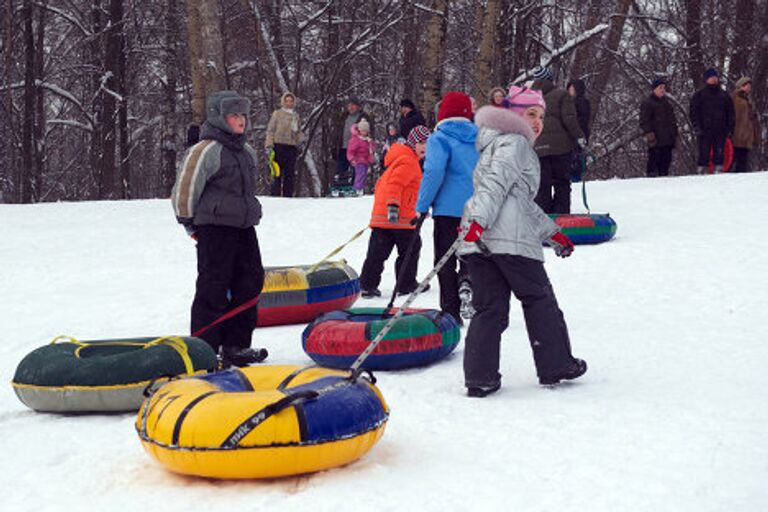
[96, 95]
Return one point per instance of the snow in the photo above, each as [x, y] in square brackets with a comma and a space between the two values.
[671, 415]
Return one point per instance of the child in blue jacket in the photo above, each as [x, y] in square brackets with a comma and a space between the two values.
[447, 185]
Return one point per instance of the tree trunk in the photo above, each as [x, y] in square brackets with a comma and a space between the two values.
[693, 35]
[584, 53]
[170, 140]
[111, 87]
[97, 138]
[484, 59]
[39, 128]
[744, 41]
[8, 171]
[432, 82]
[27, 170]
[206, 53]
[411, 57]
[612, 41]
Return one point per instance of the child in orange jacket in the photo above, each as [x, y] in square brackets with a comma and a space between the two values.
[394, 207]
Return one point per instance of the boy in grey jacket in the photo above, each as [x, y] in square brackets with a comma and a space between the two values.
[214, 198]
[505, 229]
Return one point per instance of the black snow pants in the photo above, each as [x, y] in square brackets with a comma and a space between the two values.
[285, 156]
[714, 143]
[380, 247]
[555, 174]
[229, 273]
[494, 278]
[445, 233]
[659, 161]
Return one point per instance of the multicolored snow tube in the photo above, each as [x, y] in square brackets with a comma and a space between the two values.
[295, 295]
[262, 422]
[418, 338]
[106, 375]
[586, 228]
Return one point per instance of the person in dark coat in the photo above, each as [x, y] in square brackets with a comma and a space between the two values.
[410, 118]
[659, 127]
[713, 120]
[214, 198]
[560, 137]
[577, 90]
[354, 113]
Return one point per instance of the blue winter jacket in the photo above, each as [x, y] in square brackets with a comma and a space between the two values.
[451, 158]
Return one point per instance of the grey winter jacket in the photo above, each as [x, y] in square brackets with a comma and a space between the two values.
[506, 180]
[216, 183]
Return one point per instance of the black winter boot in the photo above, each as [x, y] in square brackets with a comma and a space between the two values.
[483, 391]
[577, 368]
[239, 356]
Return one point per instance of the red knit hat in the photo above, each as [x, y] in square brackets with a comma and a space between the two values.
[455, 104]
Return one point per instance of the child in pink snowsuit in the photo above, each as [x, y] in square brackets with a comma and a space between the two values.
[360, 152]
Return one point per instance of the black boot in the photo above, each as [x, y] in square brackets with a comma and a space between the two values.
[577, 368]
[483, 391]
[241, 356]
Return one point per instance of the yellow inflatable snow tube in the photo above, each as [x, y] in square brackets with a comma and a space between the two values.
[262, 422]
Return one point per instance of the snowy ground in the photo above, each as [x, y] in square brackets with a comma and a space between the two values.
[671, 416]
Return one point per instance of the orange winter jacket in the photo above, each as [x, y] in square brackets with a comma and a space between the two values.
[398, 185]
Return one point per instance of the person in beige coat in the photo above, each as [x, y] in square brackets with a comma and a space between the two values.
[746, 134]
[284, 137]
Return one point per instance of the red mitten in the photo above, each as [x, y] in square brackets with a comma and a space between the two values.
[562, 245]
[474, 232]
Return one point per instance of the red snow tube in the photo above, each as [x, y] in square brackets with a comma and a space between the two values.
[586, 228]
[418, 338]
[727, 161]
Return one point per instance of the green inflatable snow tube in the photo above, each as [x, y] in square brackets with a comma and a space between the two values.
[105, 375]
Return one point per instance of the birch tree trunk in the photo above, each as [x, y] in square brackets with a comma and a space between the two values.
[206, 53]
[484, 58]
[432, 82]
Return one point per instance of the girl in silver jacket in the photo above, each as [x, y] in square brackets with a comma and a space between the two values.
[502, 246]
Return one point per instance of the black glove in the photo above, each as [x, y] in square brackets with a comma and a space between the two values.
[189, 226]
[419, 218]
[393, 213]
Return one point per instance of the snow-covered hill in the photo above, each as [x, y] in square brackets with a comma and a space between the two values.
[670, 315]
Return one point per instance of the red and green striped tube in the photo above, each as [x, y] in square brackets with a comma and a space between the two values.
[418, 338]
[586, 228]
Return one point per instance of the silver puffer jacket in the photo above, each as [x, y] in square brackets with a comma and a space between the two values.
[506, 180]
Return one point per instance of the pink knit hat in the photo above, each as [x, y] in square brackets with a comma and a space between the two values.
[521, 98]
